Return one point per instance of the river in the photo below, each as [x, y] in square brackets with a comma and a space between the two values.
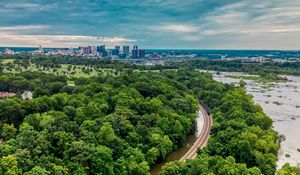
[280, 101]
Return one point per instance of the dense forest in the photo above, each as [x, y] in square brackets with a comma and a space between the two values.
[268, 67]
[124, 123]
[102, 125]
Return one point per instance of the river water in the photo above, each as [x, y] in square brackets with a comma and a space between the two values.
[280, 101]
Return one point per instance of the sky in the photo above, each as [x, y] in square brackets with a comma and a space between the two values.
[152, 24]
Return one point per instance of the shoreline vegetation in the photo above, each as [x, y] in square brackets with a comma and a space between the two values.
[127, 120]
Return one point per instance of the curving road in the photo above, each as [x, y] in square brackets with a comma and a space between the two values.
[203, 137]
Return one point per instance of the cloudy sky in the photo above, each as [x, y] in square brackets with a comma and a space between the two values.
[178, 24]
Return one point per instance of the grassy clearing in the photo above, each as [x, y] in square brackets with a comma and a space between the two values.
[5, 61]
[68, 70]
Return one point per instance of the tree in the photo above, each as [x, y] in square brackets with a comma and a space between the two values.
[242, 83]
[37, 170]
[163, 143]
[9, 165]
[287, 170]
[27, 137]
[8, 131]
[174, 168]
[106, 134]
[39, 91]
[132, 163]
[152, 155]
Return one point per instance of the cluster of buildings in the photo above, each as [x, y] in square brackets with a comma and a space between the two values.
[245, 59]
[136, 54]
[7, 52]
[117, 52]
[26, 95]
[89, 51]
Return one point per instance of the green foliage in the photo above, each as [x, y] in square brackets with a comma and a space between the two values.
[287, 169]
[268, 70]
[209, 165]
[8, 131]
[37, 170]
[124, 123]
[105, 125]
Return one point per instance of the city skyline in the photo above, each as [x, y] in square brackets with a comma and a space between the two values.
[152, 24]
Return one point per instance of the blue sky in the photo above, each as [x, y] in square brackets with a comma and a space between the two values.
[178, 24]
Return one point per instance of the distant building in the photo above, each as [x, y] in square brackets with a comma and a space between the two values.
[138, 53]
[70, 51]
[122, 56]
[116, 51]
[135, 52]
[84, 50]
[108, 52]
[126, 50]
[41, 49]
[142, 53]
[93, 50]
[8, 52]
[90, 50]
[6, 94]
[101, 50]
[27, 95]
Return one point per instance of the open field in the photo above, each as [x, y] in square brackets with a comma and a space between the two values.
[64, 69]
[5, 61]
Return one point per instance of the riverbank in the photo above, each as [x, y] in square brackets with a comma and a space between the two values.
[279, 100]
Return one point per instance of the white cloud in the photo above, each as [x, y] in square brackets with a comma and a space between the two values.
[30, 6]
[7, 39]
[177, 28]
[21, 28]
[21, 5]
[256, 20]
[252, 24]
[15, 36]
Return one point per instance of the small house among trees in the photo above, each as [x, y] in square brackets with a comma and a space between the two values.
[6, 94]
[27, 95]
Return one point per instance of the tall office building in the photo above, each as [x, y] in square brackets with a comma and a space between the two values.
[142, 53]
[90, 50]
[108, 52]
[126, 50]
[100, 48]
[84, 50]
[93, 50]
[101, 51]
[116, 51]
[135, 52]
